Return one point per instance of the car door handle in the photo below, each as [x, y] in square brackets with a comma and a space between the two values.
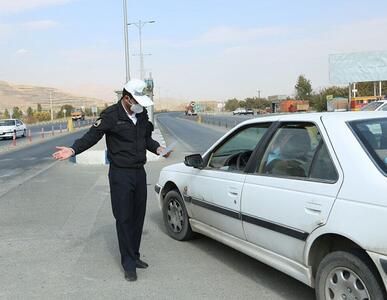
[233, 191]
[313, 208]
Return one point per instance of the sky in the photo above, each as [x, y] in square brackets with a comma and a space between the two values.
[199, 49]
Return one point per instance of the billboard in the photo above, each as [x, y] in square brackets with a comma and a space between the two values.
[347, 68]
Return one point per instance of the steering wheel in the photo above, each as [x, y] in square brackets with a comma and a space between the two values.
[242, 160]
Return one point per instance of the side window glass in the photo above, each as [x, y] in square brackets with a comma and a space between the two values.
[290, 152]
[323, 167]
[384, 108]
[234, 154]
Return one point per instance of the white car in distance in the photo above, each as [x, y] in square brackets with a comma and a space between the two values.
[9, 127]
[379, 105]
[303, 193]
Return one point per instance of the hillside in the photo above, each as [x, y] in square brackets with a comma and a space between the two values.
[24, 96]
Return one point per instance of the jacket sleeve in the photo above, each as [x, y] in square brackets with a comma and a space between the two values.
[151, 144]
[95, 133]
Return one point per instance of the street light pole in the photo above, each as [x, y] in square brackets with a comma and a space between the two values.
[140, 24]
[52, 112]
[126, 41]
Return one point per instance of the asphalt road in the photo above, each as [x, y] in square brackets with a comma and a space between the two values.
[193, 137]
[30, 159]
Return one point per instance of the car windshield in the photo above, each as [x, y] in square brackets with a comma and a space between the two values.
[373, 136]
[7, 122]
[372, 106]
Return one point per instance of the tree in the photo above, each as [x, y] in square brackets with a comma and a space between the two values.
[43, 116]
[30, 112]
[367, 88]
[319, 100]
[6, 114]
[39, 108]
[231, 104]
[68, 109]
[303, 88]
[16, 113]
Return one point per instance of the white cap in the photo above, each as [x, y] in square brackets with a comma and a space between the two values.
[136, 88]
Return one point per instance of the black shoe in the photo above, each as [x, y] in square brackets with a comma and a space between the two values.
[131, 275]
[141, 264]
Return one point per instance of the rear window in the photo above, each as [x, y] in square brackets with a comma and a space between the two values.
[373, 136]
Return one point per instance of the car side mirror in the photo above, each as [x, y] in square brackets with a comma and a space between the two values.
[194, 160]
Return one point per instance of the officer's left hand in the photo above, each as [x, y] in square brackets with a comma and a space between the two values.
[161, 149]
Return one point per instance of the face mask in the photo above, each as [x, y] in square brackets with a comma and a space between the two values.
[136, 108]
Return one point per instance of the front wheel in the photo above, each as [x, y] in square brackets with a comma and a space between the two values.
[343, 275]
[175, 217]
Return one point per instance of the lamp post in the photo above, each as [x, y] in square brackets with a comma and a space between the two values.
[140, 24]
[126, 41]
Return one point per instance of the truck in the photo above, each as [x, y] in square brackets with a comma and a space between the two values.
[77, 114]
[190, 109]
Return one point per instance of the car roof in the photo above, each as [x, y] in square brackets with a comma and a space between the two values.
[310, 117]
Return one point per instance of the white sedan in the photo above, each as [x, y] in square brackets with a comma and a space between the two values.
[9, 127]
[303, 193]
[380, 105]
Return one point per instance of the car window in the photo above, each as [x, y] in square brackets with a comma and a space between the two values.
[372, 135]
[384, 108]
[7, 122]
[323, 167]
[371, 106]
[234, 153]
[297, 150]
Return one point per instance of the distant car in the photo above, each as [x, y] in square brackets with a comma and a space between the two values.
[380, 105]
[10, 126]
[243, 111]
[303, 193]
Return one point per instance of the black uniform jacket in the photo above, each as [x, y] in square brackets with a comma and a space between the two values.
[126, 143]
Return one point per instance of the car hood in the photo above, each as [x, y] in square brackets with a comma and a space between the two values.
[179, 167]
[6, 128]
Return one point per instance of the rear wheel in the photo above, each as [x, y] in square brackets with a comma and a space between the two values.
[343, 275]
[175, 217]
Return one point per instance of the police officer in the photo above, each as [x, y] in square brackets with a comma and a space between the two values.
[128, 136]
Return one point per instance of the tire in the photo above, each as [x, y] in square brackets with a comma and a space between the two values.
[338, 269]
[175, 216]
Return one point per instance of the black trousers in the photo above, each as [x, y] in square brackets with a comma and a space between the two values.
[128, 192]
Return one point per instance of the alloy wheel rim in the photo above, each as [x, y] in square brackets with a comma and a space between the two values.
[344, 284]
[175, 216]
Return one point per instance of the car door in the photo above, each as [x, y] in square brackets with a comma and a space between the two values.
[292, 190]
[18, 128]
[215, 191]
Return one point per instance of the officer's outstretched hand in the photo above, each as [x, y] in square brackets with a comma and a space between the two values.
[161, 151]
[63, 153]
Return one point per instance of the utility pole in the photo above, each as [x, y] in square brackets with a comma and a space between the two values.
[140, 24]
[52, 112]
[126, 41]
